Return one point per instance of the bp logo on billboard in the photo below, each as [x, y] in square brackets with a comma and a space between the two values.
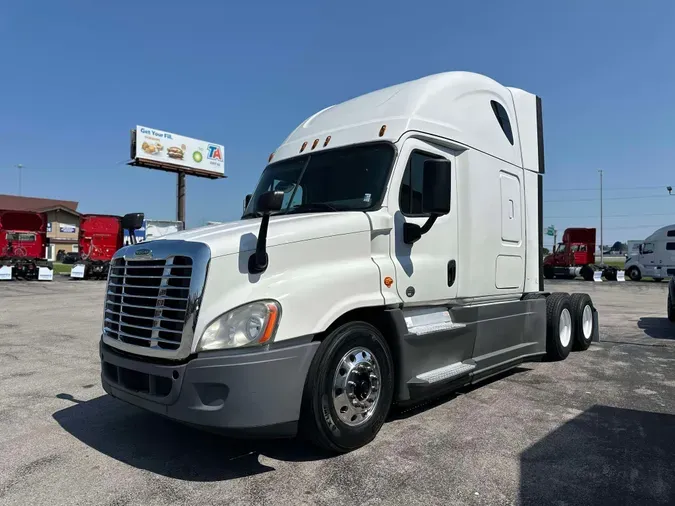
[197, 156]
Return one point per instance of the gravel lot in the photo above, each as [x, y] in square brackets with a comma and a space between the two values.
[595, 429]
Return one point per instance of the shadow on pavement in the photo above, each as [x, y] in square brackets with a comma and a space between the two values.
[658, 328]
[603, 456]
[151, 442]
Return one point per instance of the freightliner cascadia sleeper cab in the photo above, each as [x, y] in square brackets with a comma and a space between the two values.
[390, 251]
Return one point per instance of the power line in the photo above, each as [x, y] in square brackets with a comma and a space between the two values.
[607, 216]
[635, 197]
[627, 188]
[628, 227]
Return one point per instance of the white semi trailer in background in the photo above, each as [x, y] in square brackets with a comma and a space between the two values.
[154, 229]
[391, 251]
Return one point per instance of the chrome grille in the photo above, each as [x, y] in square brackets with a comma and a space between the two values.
[148, 301]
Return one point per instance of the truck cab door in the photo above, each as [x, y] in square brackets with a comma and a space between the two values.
[426, 271]
[647, 258]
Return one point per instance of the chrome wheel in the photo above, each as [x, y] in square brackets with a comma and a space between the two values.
[587, 321]
[565, 328]
[356, 386]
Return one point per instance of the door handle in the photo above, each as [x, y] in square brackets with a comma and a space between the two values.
[452, 272]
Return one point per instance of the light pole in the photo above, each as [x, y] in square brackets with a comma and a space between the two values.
[602, 248]
[19, 166]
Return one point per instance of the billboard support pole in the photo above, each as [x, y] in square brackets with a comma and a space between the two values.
[180, 198]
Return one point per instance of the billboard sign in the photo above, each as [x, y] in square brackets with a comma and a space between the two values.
[158, 149]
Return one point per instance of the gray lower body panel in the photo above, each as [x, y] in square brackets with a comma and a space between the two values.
[255, 392]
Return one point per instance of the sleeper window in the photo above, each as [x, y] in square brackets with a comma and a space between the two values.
[503, 119]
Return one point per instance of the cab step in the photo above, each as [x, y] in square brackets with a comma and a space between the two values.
[445, 373]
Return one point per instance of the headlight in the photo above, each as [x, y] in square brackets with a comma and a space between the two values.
[254, 323]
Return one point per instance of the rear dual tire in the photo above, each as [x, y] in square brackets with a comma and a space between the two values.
[559, 329]
[569, 324]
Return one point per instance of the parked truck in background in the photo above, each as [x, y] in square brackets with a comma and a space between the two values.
[390, 252]
[655, 256]
[100, 237]
[575, 256]
[23, 246]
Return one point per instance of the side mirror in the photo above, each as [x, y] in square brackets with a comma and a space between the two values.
[267, 202]
[247, 199]
[270, 201]
[132, 221]
[436, 187]
[435, 198]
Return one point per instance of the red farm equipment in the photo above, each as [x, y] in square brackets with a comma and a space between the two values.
[575, 256]
[100, 237]
[23, 246]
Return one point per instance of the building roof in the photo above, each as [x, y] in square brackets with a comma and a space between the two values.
[18, 203]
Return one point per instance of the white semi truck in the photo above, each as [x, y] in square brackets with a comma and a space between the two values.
[391, 250]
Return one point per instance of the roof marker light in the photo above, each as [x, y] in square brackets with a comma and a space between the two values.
[382, 130]
[316, 141]
[304, 145]
[325, 143]
[270, 158]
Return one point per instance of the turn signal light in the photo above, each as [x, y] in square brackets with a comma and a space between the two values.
[271, 324]
[388, 282]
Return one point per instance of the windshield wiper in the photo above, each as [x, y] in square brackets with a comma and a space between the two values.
[312, 207]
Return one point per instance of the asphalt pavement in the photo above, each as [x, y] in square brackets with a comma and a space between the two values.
[597, 428]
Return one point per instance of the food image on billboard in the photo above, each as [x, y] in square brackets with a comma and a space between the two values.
[168, 151]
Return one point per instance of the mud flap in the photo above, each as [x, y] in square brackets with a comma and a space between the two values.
[6, 273]
[77, 271]
[45, 274]
[596, 329]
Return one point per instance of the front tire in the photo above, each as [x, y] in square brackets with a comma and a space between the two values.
[582, 317]
[349, 388]
[634, 274]
[559, 327]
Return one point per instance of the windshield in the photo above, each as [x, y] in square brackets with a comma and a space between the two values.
[345, 179]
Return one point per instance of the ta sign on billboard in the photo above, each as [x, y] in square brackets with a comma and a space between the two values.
[158, 149]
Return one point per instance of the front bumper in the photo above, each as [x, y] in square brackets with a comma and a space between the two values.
[239, 392]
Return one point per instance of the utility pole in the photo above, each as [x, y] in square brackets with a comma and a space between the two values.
[180, 198]
[19, 166]
[602, 248]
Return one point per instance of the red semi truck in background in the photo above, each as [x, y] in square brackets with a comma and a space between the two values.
[100, 237]
[23, 246]
[575, 256]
